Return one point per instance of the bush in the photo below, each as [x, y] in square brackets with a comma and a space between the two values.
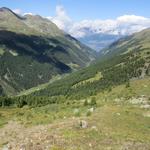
[128, 84]
[93, 101]
[86, 102]
[88, 113]
[5, 101]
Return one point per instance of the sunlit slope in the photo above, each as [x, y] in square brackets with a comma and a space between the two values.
[117, 68]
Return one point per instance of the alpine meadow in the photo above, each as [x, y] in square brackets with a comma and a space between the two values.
[57, 93]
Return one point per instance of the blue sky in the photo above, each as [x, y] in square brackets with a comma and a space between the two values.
[83, 9]
[96, 16]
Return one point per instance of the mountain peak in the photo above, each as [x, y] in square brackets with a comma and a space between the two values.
[5, 9]
[9, 11]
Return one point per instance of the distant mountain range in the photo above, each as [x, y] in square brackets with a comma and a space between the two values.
[33, 50]
[99, 33]
[99, 41]
[137, 43]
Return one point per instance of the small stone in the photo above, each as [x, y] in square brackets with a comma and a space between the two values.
[83, 124]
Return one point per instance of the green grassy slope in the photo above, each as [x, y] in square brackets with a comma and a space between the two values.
[104, 106]
[115, 70]
[99, 77]
[33, 50]
[136, 42]
[111, 123]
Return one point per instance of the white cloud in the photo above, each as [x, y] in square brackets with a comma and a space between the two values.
[125, 25]
[18, 11]
[61, 19]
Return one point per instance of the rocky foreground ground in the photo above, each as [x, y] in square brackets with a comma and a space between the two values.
[109, 127]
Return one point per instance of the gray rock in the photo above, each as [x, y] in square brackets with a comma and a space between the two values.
[83, 124]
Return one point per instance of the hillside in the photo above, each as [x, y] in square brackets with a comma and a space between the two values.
[111, 71]
[117, 67]
[74, 75]
[111, 123]
[104, 106]
[118, 119]
[33, 50]
[134, 43]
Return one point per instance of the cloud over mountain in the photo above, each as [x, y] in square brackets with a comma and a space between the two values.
[123, 25]
[61, 19]
[17, 11]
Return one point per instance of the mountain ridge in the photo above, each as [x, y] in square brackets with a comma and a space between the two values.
[111, 70]
[32, 50]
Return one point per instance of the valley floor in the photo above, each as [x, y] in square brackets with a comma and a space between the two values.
[115, 123]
